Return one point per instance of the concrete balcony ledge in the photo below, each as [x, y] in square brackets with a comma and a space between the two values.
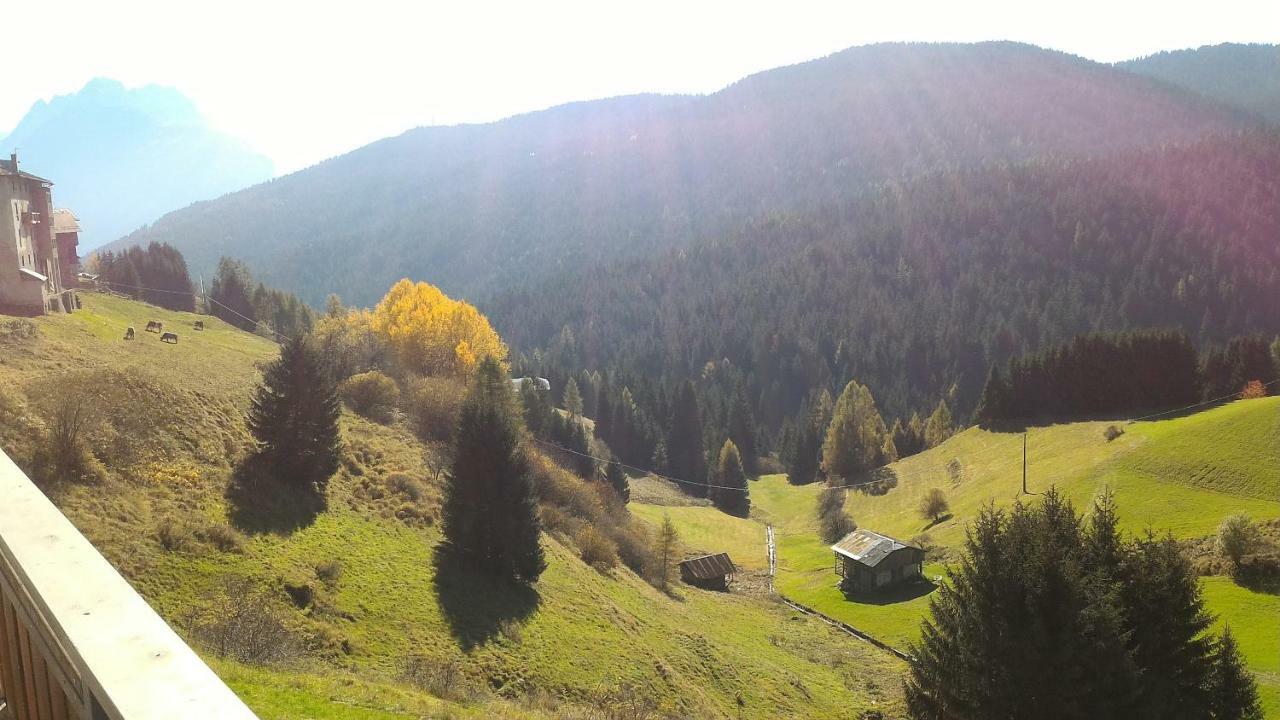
[78, 640]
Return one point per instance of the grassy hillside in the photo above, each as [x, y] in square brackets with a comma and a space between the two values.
[1180, 475]
[358, 588]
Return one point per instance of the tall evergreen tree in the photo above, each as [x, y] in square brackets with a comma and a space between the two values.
[994, 404]
[686, 457]
[938, 427]
[490, 514]
[617, 479]
[732, 495]
[231, 295]
[857, 440]
[1233, 695]
[294, 417]
[742, 430]
[573, 398]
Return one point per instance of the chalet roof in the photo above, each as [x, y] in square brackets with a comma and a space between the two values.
[9, 167]
[708, 567]
[868, 547]
[65, 221]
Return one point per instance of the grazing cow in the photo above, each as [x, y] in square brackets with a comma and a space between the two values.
[128, 334]
[155, 326]
[199, 325]
[169, 337]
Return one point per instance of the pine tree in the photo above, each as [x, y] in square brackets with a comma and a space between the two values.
[230, 295]
[1233, 695]
[686, 457]
[938, 428]
[294, 418]
[732, 494]
[617, 480]
[573, 398]
[490, 514]
[994, 405]
[742, 430]
[664, 554]
[583, 463]
[857, 440]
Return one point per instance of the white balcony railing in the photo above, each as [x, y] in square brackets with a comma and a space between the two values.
[76, 641]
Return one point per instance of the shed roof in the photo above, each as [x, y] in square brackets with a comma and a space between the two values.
[29, 274]
[707, 567]
[868, 547]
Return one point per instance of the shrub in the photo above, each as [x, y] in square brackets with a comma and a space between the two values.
[371, 395]
[241, 621]
[1237, 537]
[407, 485]
[934, 505]
[1112, 432]
[833, 523]
[596, 549]
[442, 678]
[224, 537]
[329, 572]
[1253, 390]
[432, 404]
[174, 536]
[18, 330]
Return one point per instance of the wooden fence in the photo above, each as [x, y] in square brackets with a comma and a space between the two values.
[76, 641]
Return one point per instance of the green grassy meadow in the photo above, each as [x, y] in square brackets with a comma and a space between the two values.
[1179, 475]
[561, 651]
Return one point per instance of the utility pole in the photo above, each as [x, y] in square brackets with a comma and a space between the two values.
[1024, 463]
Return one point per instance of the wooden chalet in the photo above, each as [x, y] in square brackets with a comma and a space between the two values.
[866, 560]
[710, 572]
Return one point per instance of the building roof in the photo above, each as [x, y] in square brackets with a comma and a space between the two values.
[10, 167]
[65, 221]
[708, 567]
[868, 547]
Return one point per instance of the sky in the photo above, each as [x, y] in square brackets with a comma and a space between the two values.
[303, 81]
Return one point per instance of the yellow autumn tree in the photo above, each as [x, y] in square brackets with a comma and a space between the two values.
[433, 334]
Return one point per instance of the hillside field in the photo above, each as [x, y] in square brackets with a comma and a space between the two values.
[565, 650]
[1179, 475]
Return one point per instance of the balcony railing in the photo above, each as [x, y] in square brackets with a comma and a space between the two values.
[76, 641]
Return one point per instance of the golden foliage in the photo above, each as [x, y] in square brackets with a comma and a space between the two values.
[433, 334]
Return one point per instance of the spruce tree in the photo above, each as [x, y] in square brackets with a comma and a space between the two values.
[994, 405]
[732, 494]
[686, 458]
[573, 398]
[938, 428]
[617, 480]
[1233, 695]
[230, 294]
[742, 430]
[490, 515]
[857, 440]
[294, 418]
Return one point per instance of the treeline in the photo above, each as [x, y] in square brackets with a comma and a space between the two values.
[157, 275]
[919, 287]
[235, 297]
[1098, 375]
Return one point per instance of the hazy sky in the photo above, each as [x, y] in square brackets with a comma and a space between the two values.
[302, 81]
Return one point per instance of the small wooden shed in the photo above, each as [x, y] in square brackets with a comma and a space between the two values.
[710, 572]
[866, 560]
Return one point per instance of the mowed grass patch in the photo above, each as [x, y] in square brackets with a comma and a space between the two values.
[708, 530]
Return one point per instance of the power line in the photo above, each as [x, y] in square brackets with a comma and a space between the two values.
[206, 298]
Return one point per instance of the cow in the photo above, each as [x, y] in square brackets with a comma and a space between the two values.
[128, 333]
[155, 326]
[169, 337]
[199, 325]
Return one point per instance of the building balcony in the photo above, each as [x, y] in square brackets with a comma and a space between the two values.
[76, 641]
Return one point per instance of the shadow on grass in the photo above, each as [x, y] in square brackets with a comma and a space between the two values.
[260, 503]
[938, 521]
[892, 595]
[475, 605]
[1259, 574]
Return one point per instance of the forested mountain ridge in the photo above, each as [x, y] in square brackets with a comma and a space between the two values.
[120, 158]
[914, 286]
[1244, 76]
[478, 208]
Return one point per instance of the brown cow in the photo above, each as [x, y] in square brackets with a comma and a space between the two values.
[128, 334]
[199, 325]
[169, 337]
[155, 326]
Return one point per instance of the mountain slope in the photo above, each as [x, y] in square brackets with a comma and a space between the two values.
[122, 158]
[173, 416]
[1244, 76]
[914, 286]
[475, 209]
